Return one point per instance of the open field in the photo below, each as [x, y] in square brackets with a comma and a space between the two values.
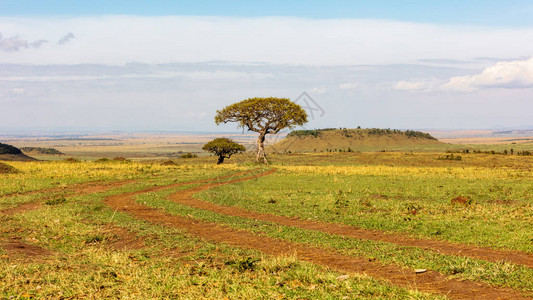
[324, 225]
[133, 145]
[148, 146]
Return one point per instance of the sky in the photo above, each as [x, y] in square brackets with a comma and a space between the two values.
[169, 65]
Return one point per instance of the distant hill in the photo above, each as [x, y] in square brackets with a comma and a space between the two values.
[39, 150]
[333, 140]
[11, 153]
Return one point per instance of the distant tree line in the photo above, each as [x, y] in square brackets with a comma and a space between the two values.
[493, 152]
[450, 157]
[304, 133]
[372, 131]
[49, 151]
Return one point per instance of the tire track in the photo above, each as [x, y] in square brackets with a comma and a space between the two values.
[17, 249]
[81, 189]
[429, 281]
[442, 247]
[55, 189]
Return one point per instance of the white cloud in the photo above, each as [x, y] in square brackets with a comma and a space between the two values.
[350, 85]
[18, 91]
[147, 96]
[410, 85]
[317, 90]
[116, 40]
[509, 74]
[420, 85]
[194, 75]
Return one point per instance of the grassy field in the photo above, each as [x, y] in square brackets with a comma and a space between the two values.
[63, 236]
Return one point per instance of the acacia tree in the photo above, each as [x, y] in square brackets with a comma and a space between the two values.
[263, 115]
[224, 148]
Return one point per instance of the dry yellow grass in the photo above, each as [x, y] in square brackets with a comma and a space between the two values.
[424, 172]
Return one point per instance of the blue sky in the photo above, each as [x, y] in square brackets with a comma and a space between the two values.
[169, 65]
[481, 12]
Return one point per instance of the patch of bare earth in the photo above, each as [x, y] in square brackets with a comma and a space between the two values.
[18, 250]
[20, 208]
[429, 281]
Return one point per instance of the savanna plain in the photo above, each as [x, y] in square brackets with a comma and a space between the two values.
[342, 225]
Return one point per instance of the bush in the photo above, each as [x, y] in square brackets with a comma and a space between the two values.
[189, 155]
[55, 201]
[450, 157]
[247, 264]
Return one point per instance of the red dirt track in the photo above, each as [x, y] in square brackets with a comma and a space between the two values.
[443, 247]
[429, 281]
[15, 248]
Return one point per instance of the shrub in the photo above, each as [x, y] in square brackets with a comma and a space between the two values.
[55, 201]
[450, 157]
[246, 264]
[188, 155]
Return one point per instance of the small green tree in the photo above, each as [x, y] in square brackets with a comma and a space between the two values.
[263, 115]
[224, 148]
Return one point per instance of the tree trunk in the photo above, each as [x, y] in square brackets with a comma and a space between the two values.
[261, 155]
[220, 159]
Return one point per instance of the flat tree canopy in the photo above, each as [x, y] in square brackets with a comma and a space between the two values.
[263, 115]
[224, 148]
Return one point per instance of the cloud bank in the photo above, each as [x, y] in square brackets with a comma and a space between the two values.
[173, 73]
[116, 40]
[15, 43]
[516, 74]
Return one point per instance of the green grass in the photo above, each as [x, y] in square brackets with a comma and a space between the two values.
[501, 216]
[502, 274]
[84, 264]
[173, 264]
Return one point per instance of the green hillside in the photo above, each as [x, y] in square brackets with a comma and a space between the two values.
[335, 140]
